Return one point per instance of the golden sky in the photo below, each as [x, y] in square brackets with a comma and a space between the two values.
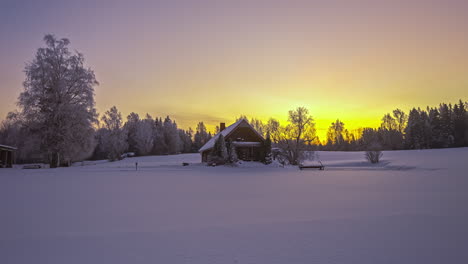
[215, 60]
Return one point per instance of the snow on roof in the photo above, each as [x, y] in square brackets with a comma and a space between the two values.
[210, 144]
[7, 147]
[246, 143]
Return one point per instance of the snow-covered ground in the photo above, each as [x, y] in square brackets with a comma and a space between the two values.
[411, 208]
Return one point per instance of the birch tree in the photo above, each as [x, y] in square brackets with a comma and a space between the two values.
[58, 102]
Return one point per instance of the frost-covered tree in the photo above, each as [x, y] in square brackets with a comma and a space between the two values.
[400, 119]
[258, 125]
[390, 131]
[389, 123]
[113, 141]
[336, 133]
[301, 129]
[242, 117]
[466, 125]
[144, 136]
[231, 152]
[446, 125]
[159, 146]
[418, 131]
[14, 132]
[273, 128]
[369, 138]
[171, 136]
[201, 136]
[131, 125]
[57, 103]
[186, 140]
[11, 130]
[267, 149]
[339, 138]
[140, 134]
[460, 124]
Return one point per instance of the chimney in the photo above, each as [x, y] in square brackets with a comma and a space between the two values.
[222, 126]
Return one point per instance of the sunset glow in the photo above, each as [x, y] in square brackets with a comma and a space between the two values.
[215, 60]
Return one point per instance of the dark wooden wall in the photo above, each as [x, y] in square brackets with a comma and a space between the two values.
[6, 158]
[244, 134]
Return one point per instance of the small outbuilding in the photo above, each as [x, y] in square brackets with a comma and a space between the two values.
[7, 156]
[249, 144]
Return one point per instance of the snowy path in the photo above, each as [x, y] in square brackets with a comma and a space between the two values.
[166, 213]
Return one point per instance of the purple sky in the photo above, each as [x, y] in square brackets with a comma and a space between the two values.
[354, 60]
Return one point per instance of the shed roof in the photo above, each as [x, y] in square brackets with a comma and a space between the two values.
[7, 147]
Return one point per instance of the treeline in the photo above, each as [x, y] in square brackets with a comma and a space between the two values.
[145, 136]
[443, 126]
[109, 140]
[434, 127]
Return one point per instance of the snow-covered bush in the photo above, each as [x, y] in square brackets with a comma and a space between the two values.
[374, 153]
[282, 159]
[231, 153]
[374, 156]
[267, 149]
[219, 154]
[306, 156]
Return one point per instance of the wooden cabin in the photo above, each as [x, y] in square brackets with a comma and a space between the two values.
[249, 144]
[7, 155]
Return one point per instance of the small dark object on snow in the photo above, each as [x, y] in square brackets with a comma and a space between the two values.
[320, 167]
[312, 167]
[136, 166]
[32, 166]
[185, 164]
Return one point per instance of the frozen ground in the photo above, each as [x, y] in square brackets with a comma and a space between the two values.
[412, 208]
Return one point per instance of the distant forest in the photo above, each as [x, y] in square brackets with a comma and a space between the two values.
[57, 122]
[434, 127]
[444, 126]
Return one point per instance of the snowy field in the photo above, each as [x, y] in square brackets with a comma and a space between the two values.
[411, 208]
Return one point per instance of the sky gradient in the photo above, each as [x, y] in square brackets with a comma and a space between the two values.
[215, 60]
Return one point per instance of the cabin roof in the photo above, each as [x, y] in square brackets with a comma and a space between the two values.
[228, 130]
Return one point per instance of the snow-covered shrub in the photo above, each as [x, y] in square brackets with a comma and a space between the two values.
[306, 156]
[282, 159]
[267, 150]
[219, 154]
[373, 154]
[231, 153]
[280, 156]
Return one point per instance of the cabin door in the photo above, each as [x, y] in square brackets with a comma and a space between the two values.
[244, 153]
